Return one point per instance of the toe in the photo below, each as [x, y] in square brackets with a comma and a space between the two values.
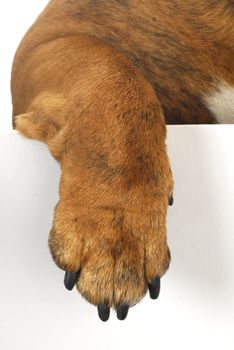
[96, 280]
[157, 253]
[129, 280]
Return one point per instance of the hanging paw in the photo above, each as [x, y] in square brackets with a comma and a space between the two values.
[111, 255]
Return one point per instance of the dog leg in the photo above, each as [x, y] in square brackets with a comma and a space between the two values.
[109, 228]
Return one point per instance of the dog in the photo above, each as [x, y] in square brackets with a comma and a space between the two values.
[98, 81]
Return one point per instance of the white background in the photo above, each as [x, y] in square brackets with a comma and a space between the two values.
[196, 307]
[15, 18]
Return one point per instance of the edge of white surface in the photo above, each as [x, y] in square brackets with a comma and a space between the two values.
[170, 128]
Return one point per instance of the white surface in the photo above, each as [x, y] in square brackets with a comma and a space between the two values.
[196, 306]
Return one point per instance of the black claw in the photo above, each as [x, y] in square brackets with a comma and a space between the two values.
[171, 201]
[154, 288]
[122, 312]
[70, 279]
[103, 312]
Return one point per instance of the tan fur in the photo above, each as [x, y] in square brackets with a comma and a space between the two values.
[95, 81]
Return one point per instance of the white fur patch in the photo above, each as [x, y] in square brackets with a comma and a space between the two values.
[221, 103]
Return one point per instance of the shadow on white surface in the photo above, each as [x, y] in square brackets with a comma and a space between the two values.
[203, 170]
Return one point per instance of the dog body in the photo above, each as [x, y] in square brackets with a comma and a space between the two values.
[185, 50]
[96, 81]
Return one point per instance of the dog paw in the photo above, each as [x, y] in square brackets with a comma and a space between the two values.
[112, 256]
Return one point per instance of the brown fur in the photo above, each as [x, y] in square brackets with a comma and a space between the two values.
[96, 80]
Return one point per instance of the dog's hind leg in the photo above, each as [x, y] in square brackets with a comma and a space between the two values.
[42, 124]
